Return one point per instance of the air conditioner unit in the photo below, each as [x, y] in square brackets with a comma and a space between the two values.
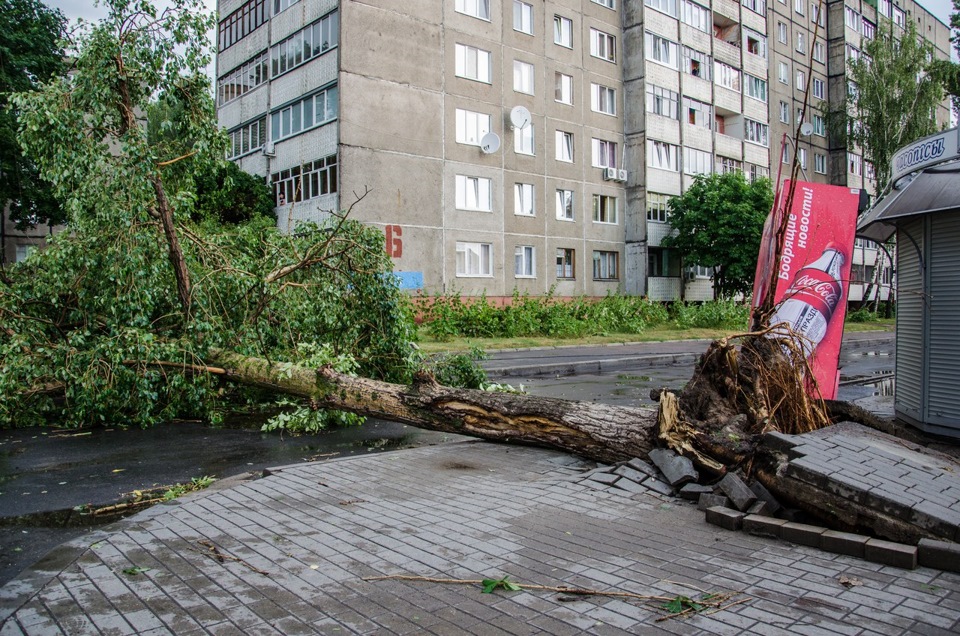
[690, 275]
[622, 175]
[268, 150]
[610, 174]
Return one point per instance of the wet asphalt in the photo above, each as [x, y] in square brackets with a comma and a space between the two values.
[46, 473]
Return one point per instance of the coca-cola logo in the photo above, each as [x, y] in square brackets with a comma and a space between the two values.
[817, 288]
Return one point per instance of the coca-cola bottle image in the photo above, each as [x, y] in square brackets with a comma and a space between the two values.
[810, 301]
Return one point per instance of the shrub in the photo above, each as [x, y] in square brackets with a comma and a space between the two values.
[718, 314]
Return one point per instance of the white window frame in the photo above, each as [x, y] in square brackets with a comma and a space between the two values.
[819, 126]
[522, 17]
[472, 63]
[819, 163]
[605, 209]
[750, 34]
[474, 260]
[784, 113]
[606, 3]
[756, 132]
[782, 32]
[603, 99]
[818, 88]
[663, 101]
[474, 194]
[565, 205]
[524, 199]
[606, 265]
[604, 153]
[799, 6]
[726, 76]
[756, 87]
[658, 207]
[563, 88]
[471, 126]
[783, 73]
[524, 140]
[695, 15]
[801, 79]
[663, 155]
[820, 52]
[525, 261]
[855, 164]
[662, 50]
[697, 161]
[479, 9]
[668, 7]
[563, 31]
[523, 77]
[801, 42]
[565, 146]
[802, 157]
[603, 46]
[566, 268]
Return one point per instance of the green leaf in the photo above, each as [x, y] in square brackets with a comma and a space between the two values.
[133, 571]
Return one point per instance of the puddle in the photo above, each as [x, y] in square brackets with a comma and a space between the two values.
[883, 387]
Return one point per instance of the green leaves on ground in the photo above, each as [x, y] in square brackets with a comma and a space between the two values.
[491, 585]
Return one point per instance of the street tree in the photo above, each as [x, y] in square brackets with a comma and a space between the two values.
[947, 72]
[30, 54]
[893, 98]
[718, 222]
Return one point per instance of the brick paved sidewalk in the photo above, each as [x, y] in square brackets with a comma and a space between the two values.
[465, 510]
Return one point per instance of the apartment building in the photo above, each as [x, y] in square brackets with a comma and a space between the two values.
[509, 145]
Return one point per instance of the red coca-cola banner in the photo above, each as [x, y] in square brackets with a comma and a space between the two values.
[813, 273]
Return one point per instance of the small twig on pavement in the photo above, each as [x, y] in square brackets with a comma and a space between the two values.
[218, 555]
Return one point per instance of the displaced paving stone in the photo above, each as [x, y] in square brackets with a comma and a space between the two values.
[692, 492]
[631, 486]
[943, 555]
[658, 486]
[843, 543]
[763, 526]
[889, 553]
[780, 442]
[632, 474]
[738, 491]
[676, 468]
[725, 517]
[764, 495]
[761, 508]
[604, 478]
[801, 533]
[708, 500]
[644, 467]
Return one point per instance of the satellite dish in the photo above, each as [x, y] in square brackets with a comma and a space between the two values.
[519, 116]
[806, 129]
[490, 143]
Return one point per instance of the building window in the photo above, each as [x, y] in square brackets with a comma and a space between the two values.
[783, 72]
[564, 146]
[727, 165]
[883, 7]
[314, 110]
[756, 88]
[475, 8]
[662, 155]
[755, 132]
[522, 17]
[726, 76]
[472, 63]
[524, 261]
[471, 126]
[605, 3]
[663, 263]
[665, 6]
[603, 99]
[697, 161]
[801, 80]
[474, 193]
[242, 79]
[784, 112]
[604, 154]
[604, 209]
[801, 42]
[854, 164]
[307, 181]
[304, 45]
[851, 18]
[820, 163]
[697, 113]
[899, 17]
[757, 6]
[523, 77]
[868, 170]
[696, 63]
[474, 259]
[756, 43]
[23, 252]
[758, 172]
[523, 140]
[565, 205]
[802, 157]
[820, 52]
[603, 45]
[869, 30]
[562, 31]
[566, 259]
[695, 15]
[280, 5]
[781, 32]
[852, 53]
[247, 138]
[605, 265]
[657, 207]
[798, 6]
[819, 126]
[241, 23]
[661, 50]
[662, 101]
[818, 86]
[563, 91]
[524, 202]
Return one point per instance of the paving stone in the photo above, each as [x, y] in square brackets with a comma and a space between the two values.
[708, 500]
[738, 491]
[763, 526]
[604, 478]
[843, 543]
[780, 441]
[692, 491]
[725, 517]
[659, 487]
[631, 486]
[644, 467]
[942, 555]
[764, 495]
[898, 555]
[761, 508]
[632, 474]
[802, 533]
[677, 469]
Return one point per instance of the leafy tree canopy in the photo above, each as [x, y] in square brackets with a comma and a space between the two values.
[895, 98]
[30, 54]
[116, 320]
[718, 222]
